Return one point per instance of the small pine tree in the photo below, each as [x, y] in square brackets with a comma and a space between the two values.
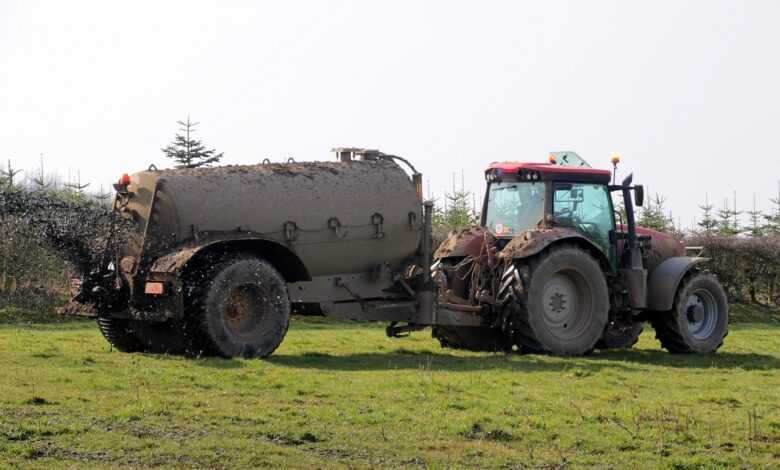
[102, 196]
[40, 181]
[76, 186]
[653, 214]
[7, 176]
[708, 223]
[773, 217]
[459, 213]
[756, 229]
[188, 152]
[727, 221]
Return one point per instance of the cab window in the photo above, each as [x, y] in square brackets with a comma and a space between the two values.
[587, 208]
[514, 206]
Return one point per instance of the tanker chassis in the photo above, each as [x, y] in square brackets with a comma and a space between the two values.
[219, 258]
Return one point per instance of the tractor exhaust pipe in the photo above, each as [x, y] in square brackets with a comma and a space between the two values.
[635, 257]
[634, 273]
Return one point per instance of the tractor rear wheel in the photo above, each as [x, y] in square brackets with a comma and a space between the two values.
[700, 318]
[559, 303]
[620, 335]
[470, 338]
[245, 309]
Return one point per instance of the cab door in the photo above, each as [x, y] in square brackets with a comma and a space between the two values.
[587, 208]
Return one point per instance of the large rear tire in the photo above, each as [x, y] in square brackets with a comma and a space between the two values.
[559, 302]
[699, 321]
[245, 309]
[161, 337]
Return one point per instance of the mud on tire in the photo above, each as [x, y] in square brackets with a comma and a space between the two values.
[244, 310]
[699, 320]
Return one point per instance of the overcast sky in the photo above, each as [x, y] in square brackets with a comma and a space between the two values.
[687, 92]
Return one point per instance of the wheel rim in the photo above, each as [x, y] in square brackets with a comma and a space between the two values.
[701, 312]
[245, 309]
[566, 304]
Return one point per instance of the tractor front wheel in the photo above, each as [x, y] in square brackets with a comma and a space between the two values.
[700, 318]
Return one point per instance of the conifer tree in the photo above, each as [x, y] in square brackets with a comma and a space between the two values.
[773, 217]
[7, 176]
[40, 181]
[654, 214]
[726, 226]
[708, 223]
[756, 229]
[188, 152]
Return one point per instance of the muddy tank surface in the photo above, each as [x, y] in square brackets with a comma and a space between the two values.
[338, 217]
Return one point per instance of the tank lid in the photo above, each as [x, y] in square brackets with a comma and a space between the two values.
[347, 154]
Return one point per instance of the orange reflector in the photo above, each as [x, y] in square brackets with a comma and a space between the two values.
[153, 288]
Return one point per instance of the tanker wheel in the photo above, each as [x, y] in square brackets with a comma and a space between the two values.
[120, 333]
[470, 338]
[560, 302]
[620, 335]
[160, 338]
[245, 311]
[699, 321]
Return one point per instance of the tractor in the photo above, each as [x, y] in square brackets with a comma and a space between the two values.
[555, 268]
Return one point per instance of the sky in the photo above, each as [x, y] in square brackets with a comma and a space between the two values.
[687, 92]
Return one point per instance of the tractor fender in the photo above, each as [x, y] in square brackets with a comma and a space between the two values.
[532, 242]
[665, 279]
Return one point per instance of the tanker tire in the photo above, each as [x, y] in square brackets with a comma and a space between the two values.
[563, 285]
[245, 310]
[683, 330]
[120, 333]
[469, 338]
[618, 336]
[160, 338]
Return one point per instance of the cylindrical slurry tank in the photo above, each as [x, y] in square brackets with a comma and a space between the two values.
[338, 217]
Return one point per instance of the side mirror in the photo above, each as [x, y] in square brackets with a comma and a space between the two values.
[639, 195]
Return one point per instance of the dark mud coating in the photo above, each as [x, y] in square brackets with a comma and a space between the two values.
[79, 232]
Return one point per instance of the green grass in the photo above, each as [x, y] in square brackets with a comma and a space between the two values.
[339, 395]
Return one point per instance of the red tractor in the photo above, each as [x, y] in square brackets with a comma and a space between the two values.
[560, 272]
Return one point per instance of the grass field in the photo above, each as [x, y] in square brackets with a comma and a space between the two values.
[343, 395]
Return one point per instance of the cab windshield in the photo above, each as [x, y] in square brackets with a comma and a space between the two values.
[513, 207]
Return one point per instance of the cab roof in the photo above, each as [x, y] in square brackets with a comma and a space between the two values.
[550, 172]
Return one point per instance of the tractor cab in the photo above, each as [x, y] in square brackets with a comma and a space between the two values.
[538, 196]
